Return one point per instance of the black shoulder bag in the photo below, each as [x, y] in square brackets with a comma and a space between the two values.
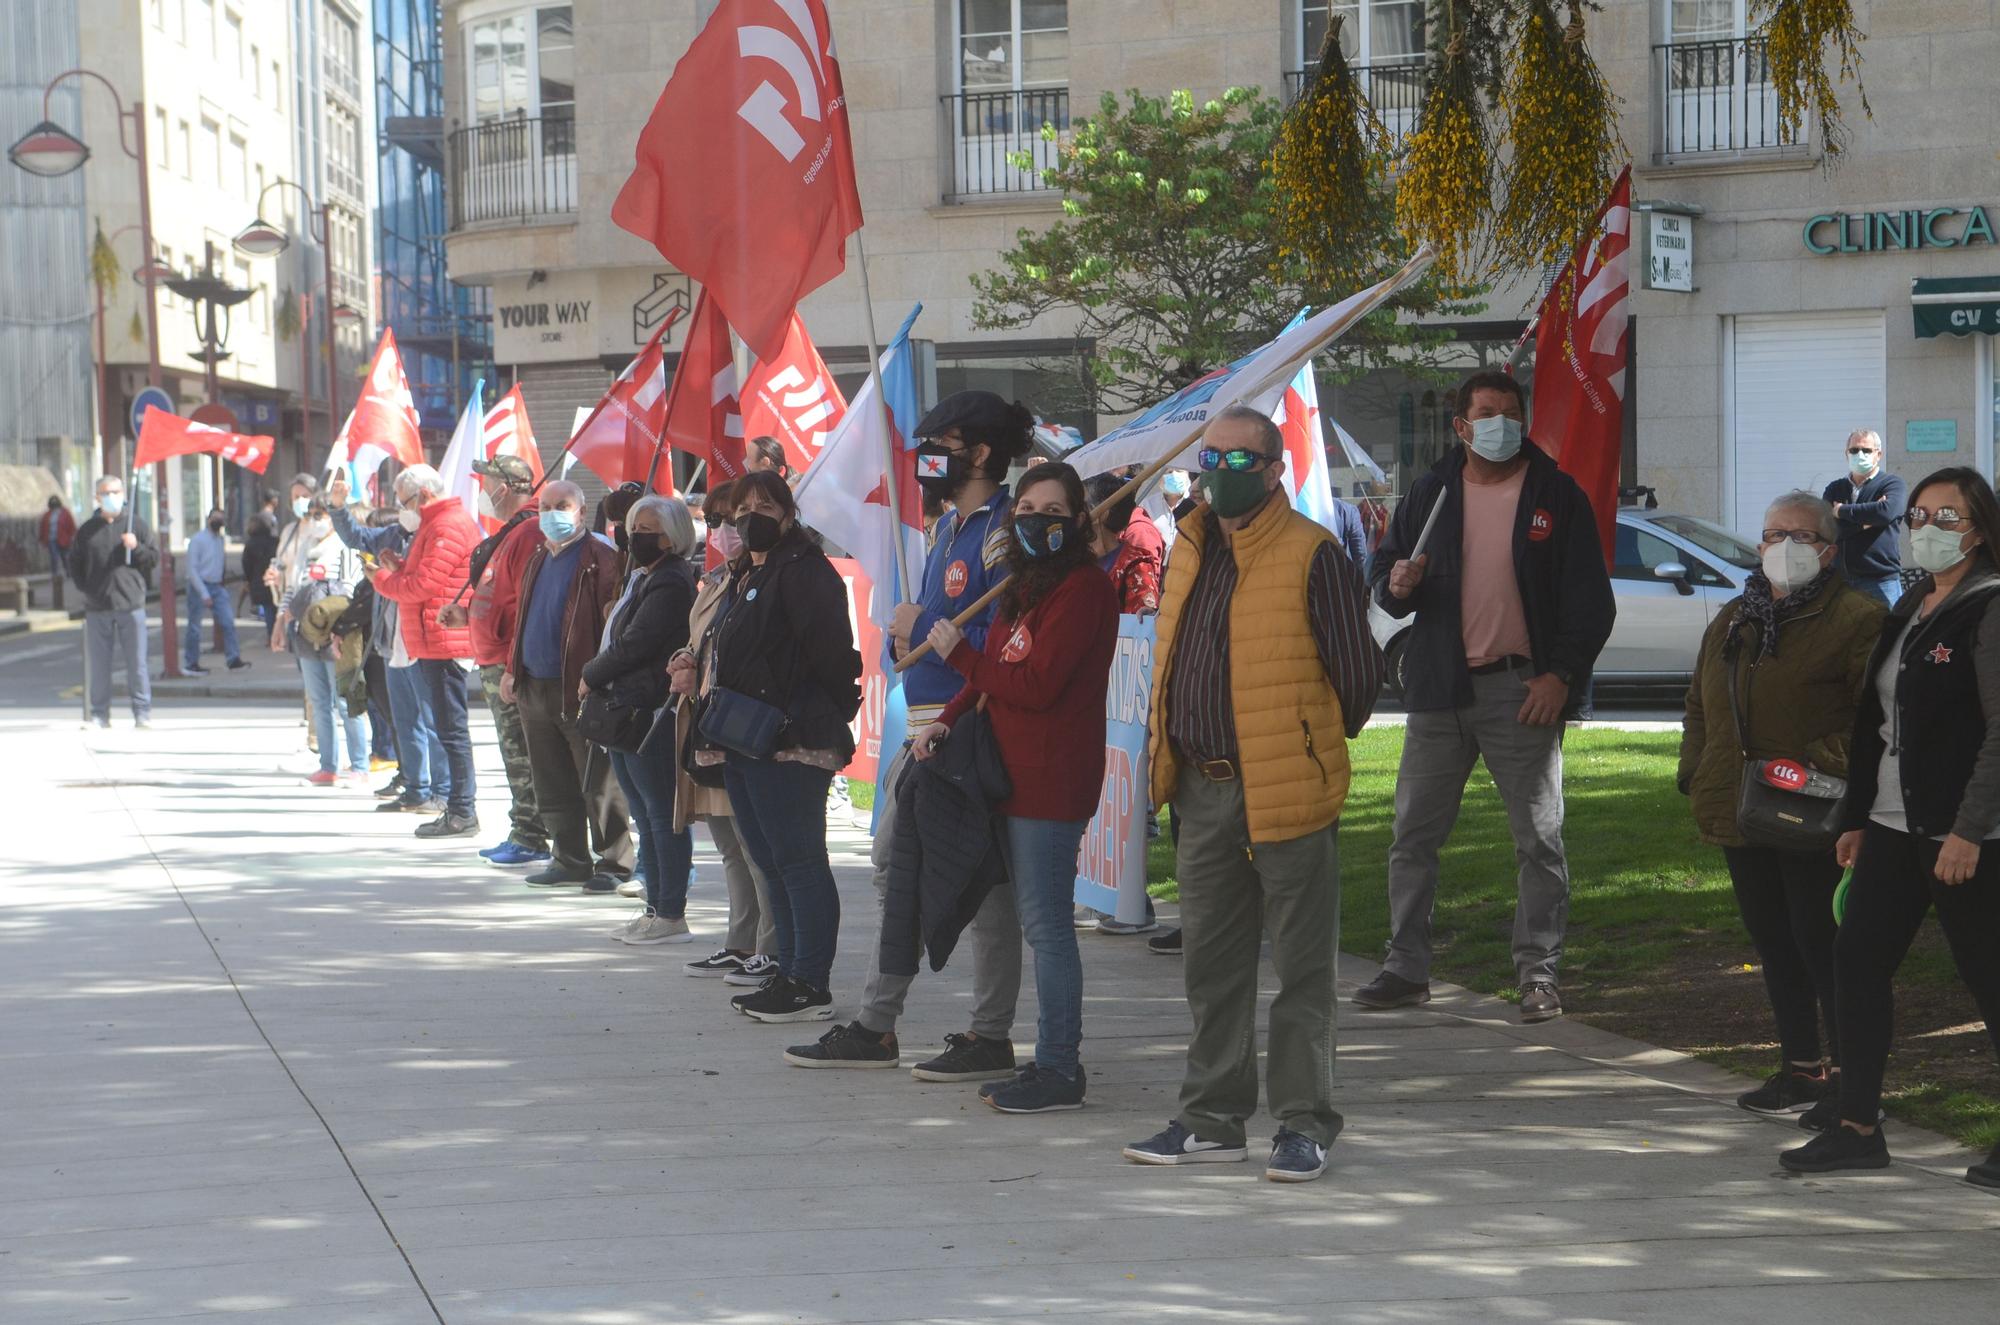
[1780, 802]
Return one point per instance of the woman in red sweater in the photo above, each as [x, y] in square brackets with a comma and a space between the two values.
[1043, 675]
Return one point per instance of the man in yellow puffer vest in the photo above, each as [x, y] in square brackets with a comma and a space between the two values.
[1263, 669]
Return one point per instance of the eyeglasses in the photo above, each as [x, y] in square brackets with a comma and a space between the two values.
[1241, 460]
[1861, 450]
[1806, 536]
[1944, 517]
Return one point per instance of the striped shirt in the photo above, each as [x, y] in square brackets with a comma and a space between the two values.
[1201, 724]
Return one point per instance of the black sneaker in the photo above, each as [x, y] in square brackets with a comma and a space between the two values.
[789, 1000]
[1389, 990]
[238, 664]
[390, 791]
[770, 982]
[555, 876]
[1838, 1149]
[1295, 1157]
[852, 1045]
[1167, 944]
[193, 669]
[1982, 1175]
[450, 825]
[1036, 1089]
[1177, 1145]
[721, 964]
[603, 882]
[969, 1058]
[1788, 1091]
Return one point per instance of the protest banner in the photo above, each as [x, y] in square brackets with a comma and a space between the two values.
[1111, 866]
[867, 724]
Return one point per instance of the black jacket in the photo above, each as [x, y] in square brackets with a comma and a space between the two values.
[1948, 715]
[112, 580]
[647, 631]
[1868, 521]
[786, 640]
[946, 854]
[1558, 562]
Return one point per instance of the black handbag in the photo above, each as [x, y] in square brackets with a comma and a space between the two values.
[1780, 802]
[740, 724]
[604, 721]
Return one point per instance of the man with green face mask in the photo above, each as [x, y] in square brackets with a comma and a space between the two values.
[1513, 603]
[1264, 668]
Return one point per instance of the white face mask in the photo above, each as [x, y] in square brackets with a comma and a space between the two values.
[486, 505]
[1790, 565]
[1936, 550]
[409, 519]
[1496, 438]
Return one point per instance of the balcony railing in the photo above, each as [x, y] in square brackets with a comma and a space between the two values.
[1394, 87]
[982, 129]
[513, 170]
[1718, 97]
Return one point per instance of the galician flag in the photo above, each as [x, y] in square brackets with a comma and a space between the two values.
[1307, 479]
[467, 445]
[845, 494]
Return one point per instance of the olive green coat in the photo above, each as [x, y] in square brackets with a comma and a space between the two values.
[1800, 702]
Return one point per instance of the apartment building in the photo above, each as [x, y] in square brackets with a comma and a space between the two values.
[1778, 301]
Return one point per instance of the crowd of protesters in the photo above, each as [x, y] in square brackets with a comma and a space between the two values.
[641, 683]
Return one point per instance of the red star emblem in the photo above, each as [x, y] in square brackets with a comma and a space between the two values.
[1940, 654]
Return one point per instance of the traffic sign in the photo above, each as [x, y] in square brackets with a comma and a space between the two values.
[151, 397]
[215, 416]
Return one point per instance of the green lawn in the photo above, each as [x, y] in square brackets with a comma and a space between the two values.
[1655, 949]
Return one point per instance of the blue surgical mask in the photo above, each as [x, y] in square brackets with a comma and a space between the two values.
[1175, 484]
[558, 526]
[1496, 438]
[111, 503]
[300, 505]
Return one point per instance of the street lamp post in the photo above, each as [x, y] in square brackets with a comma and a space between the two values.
[51, 151]
[261, 239]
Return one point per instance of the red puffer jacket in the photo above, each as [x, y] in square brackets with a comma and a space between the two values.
[433, 570]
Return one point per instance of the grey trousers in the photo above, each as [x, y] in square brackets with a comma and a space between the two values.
[1439, 750]
[1233, 892]
[110, 637]
[751, 928]
[995, 938]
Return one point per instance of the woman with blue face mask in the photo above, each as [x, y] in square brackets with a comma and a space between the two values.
[1923, 802]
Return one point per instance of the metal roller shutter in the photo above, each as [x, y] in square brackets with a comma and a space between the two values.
[1803, 382]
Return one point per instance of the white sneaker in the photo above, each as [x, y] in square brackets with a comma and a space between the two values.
[753, 972]
[657, 929]
[632, 887]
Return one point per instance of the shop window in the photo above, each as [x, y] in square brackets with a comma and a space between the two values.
[1011, 77]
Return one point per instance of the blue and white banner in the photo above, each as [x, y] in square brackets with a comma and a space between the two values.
[1111, 867]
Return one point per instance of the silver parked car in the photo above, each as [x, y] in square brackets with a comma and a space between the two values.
[1671, 575]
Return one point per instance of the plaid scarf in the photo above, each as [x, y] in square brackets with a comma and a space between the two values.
[1758, 604]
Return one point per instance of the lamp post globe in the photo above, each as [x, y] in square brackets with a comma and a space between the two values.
[49, 150]
[261, 239]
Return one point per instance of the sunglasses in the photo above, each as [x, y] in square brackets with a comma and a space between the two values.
[1944, 517]
[1241, 460]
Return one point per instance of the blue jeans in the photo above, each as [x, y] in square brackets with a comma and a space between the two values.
[664, 855]
[1888, 589]
[216, 597]
[328, 708]
[1041, 856]
[418, 751]
[780, 810]
[445, 682]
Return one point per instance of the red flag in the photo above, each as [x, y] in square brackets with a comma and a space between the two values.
[636, 402]
[1580, 361]
[507, 431]
[744, 175]
[162, 434]
[703, 415]
[385, 417]
[794, 399]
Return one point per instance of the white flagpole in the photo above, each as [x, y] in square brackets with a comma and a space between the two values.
[905, 588]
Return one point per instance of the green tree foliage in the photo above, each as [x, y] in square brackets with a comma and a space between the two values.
[1167, 260]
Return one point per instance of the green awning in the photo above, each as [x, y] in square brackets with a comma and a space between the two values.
[1956, 305]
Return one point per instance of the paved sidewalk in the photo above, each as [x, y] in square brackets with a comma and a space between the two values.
[266, 1058]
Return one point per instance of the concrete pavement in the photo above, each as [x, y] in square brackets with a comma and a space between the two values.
[269, 1058]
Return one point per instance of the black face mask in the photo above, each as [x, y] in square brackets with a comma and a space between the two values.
[647, 547]
[618, 537]
[957, 469]
[1044, 535]
[760, 531]
[215, 526]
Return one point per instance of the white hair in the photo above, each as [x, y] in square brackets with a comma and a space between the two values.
[1868, 435]
[675, 521]
[106, 480]
[420, 478]
[1812, 504]
[561, 489]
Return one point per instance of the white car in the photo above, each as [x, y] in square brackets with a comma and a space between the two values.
[1671, 575]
